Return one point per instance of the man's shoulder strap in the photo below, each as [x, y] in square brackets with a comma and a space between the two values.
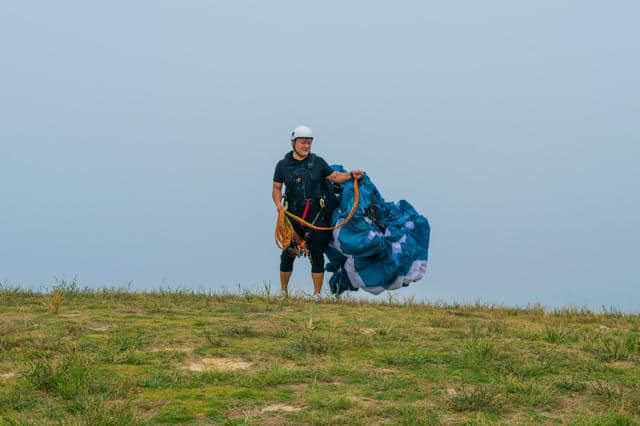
[311, 162]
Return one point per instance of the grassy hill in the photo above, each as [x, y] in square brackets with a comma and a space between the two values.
[112, 357]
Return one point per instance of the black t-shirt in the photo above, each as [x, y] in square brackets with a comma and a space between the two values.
[292, 172]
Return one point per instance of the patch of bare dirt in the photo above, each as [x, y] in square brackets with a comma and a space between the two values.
[363, 401]
[451, 419]
[185, 348]
[574, 402]
[622, 364]
[281, 407]
[70, 315]
[206, 364]
[296, 387]
[602, 387]
[148, 408]
[129, 310]
[100, 328]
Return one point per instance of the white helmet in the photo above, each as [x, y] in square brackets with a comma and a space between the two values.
[301, 132]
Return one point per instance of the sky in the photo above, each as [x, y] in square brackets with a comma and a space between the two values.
[138, 139]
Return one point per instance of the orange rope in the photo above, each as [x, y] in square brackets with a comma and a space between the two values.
[284, 229]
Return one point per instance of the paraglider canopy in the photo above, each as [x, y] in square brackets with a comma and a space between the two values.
[384, 246]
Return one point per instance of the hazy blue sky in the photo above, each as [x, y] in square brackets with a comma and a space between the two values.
[138, 138]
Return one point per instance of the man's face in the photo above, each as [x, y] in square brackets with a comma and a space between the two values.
[303, 146]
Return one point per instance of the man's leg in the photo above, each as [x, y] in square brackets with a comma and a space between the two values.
[317, 245]
[286, 266]
[284, 282]
[317, 278]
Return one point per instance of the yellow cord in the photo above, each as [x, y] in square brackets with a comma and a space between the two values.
[284, 229]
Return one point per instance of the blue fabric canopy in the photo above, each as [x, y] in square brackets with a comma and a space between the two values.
[383, 247]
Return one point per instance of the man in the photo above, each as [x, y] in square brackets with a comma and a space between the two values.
[304, 175]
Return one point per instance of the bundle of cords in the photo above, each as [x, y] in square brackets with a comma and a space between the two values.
[285, 233]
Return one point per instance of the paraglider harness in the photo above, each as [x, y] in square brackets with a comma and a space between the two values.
[298, 191]
[285, 234]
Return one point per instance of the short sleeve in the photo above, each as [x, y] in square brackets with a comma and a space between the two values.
[325, 170]
[278, 175]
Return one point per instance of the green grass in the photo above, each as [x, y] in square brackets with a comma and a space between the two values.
[115, 357]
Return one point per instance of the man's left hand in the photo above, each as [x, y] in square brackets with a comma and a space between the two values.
[357, 174]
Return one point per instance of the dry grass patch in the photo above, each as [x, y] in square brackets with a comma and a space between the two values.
[184, 348]
[54, 302]
[387, 370]
[7, 376]
[622, 364]
[364, 402]
[281, 407]
[296, 387]
[147, 408]
[207, 364]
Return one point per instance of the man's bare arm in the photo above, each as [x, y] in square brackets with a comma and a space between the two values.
[276, 194]
[342, 177]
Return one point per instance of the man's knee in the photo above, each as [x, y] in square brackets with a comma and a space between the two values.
[286, 261]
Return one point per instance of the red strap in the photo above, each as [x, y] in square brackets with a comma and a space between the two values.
[306, 209]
